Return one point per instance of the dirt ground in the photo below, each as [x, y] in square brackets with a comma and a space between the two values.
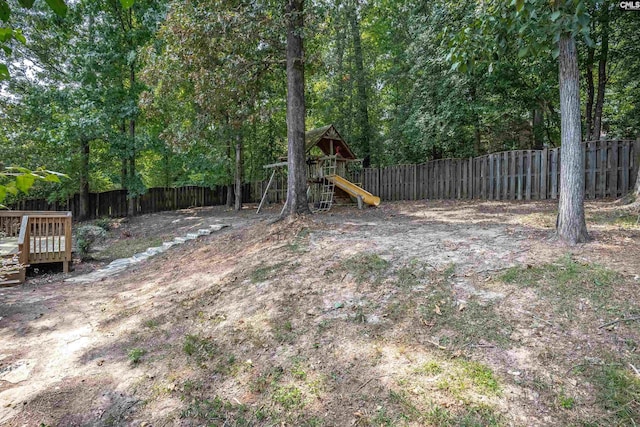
[415, 313]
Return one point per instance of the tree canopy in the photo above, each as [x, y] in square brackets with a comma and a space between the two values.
[124, 94]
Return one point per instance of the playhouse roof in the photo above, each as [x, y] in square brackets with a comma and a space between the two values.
[322, 137]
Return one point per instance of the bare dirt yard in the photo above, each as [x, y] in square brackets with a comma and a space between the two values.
[415, 313]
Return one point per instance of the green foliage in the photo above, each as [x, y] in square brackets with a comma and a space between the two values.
[290, 397]
[566, 402]
[199, 348]
[619, 392]
[104, 223]
[135, 355]
[86, 237]
[15, 179]
[439, 79]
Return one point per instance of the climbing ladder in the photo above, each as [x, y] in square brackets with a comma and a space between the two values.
[327, 186]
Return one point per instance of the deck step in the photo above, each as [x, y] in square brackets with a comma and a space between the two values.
[13, 282]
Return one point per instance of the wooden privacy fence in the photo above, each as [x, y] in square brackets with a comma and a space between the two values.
[115, 203]
[610, 171]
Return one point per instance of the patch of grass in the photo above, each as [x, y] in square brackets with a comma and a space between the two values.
[381, 418]
[474, 416]
[199, 348]
[566, 281]
[620, 218]
[267, 379]
[618, 392]
[481, 377]
[411, 275]
[289, 397]
[150, 323]
[466, 379]
[366, 267]
[283, 332]
[476, 322]
[429, 368]
[449, 271]
[216, 411]
[135, 355]
[298, 372]
[264, 273]
[299, 243]
[409, 409]
[566, 402]
[126, 248]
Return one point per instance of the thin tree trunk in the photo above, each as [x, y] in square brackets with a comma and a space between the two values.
[538, 128]
[132, 140]
[636, 154]
[602, 73]
[477, 136]
[84, 179]
[131, 211]
[230, 184]
[590, 95]
[340, 35]
[297, 177]
[167, 167]
[361, 87]
[124, 179]
[571, 225]
[238, 173]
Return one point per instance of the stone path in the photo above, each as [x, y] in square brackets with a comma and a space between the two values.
[122, 264]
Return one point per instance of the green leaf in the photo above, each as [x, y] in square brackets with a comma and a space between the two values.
[3, 192]
[522, 52]
[127, 3]
[519, 5]
[11, 188]
[5, 34]
[58, 6]
[25, 182]
[4, 72]
[51, 178]
[7, 50]
[5, 11]
[555, 15]
[17, 34]
[26, 3]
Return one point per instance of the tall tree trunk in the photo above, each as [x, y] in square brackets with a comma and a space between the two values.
[124, 178]
[230, 184]
[538, 128]
[477, 136]
[167, 167]
[636, 154]
[590, 95]
[361, 87]
[571, 225]
[131, 211]
[340, 36]
[238, 173]
[84, 179]
[602, 73]
[297, 177]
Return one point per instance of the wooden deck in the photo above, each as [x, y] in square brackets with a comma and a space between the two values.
[33, 237]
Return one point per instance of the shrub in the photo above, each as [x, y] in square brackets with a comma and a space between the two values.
[86, 237]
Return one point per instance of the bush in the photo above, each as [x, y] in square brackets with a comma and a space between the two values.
[86, 237]
[104, 223]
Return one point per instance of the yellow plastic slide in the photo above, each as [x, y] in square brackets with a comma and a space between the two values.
[354, 190]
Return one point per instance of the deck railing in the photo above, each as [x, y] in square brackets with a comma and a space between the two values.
[43, 236]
